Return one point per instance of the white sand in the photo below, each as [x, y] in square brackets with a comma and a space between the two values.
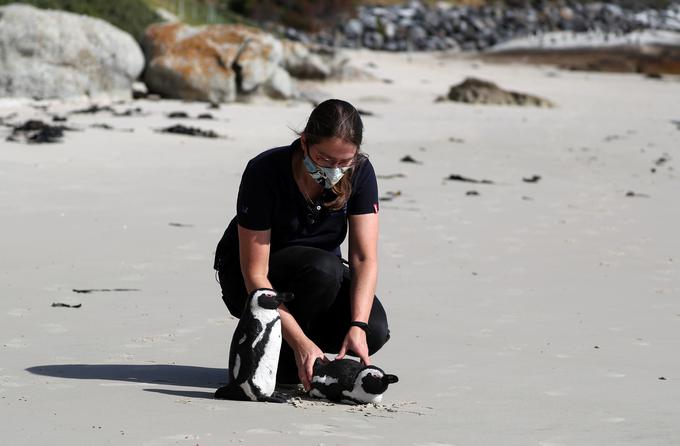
[546, 320]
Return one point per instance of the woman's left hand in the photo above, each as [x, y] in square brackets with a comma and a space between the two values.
[355, 340]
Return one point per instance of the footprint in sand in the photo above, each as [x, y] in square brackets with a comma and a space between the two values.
[519, 270]
[222, 321]
[510, 350]
[514, 292]
[137, 277]
[484, 332]
[16, 343]
[18, 312]
[174, 439]
[263, 431]
[614, 420]
[507, 319]
[53, 328]
[324, 430]
[453, 391]
[195, 257]
[58, 386]
[187, 246]
[449, 370]
[433, 444]
[558, 392]
[187, 330]
[9, 381]
[141, 266]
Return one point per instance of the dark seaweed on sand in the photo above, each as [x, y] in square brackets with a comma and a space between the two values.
[178, 115]
[190, 131]
[532, 179]
[390, 195]
[410, 159]
[455, 177]
[36, 132]
[63, 305]
[93, 109]
[631, 193]
[390, 176]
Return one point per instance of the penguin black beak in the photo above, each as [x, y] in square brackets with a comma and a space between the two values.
[390, 379]
[284, 297]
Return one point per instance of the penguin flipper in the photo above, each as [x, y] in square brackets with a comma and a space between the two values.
[230, 392]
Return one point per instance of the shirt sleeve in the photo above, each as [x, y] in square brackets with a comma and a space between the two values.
[364, 197]
[255, 199]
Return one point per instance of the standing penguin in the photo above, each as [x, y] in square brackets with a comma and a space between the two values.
[255, 347]
[348, 381]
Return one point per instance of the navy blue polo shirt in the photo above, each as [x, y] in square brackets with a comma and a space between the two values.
[269, 198]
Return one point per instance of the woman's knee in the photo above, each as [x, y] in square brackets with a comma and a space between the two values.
[325, 267]
[233, 292]
[378, 329]
[378, 336]
[307, 267]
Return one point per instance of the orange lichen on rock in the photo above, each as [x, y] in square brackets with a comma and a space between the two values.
[185, 59]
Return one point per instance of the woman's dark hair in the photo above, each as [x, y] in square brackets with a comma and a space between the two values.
[335, 118]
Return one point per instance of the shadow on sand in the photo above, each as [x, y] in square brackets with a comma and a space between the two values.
[175, 375]
[156, 374]
[184, 393]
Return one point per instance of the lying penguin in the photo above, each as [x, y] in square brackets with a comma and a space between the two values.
[350, 382]
[254, 351]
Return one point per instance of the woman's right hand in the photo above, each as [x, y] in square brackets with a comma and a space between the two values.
[306, 353]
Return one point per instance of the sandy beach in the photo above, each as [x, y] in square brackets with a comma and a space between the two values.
[542, 312]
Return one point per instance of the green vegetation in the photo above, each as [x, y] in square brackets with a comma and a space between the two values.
[132, 16]
[198, 12]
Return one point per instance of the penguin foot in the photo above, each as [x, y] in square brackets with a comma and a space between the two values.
[231, 393]
[277, 397]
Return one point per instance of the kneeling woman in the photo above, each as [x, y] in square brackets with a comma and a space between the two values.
[294, 206]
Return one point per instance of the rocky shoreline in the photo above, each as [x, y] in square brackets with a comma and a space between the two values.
[225, 63]
[416, 26]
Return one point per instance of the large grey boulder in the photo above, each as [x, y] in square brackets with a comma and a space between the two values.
[215, 63]
[318, 62]
[49, 54]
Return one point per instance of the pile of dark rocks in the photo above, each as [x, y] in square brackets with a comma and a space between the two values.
[415, 26]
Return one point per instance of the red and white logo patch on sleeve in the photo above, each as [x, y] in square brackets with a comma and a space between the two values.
[375, 208]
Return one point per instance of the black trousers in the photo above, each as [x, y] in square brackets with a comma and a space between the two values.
[321, 284]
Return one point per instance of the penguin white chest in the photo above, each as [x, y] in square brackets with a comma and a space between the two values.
[265, 373]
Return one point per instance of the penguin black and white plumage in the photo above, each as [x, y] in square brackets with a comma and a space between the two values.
[348, 381]
[255, 348]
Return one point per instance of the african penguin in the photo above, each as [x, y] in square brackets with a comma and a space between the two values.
[255, 348]
[348, 381]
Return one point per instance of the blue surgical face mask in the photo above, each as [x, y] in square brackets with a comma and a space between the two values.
[325, 176]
